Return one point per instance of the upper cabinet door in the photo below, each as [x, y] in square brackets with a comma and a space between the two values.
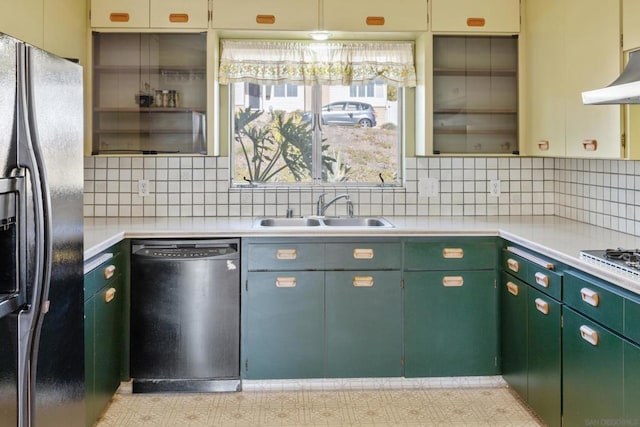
[630, 27]
[120, 13]
[299, 15]
[182, 14]
[23, 20]
[375, 15]
[477, 16]
[592, 60]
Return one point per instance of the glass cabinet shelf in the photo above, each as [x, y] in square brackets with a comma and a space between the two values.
[149, 93]
[475, 94]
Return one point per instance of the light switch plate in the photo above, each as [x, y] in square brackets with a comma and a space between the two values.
[143, 187]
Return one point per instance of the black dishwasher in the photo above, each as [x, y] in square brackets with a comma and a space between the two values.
[185, 315]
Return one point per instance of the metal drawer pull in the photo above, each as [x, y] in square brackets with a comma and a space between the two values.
[542, 306]
[286, 282]
[590, 145]
[362, 281]
[363, 253]
[513, 288]
[452, 253]
[542, 279]
[119, 17]
[534, 259]
[109, 271]
[265, 19]
[179, 17]
[286, 254]
[109, 295]
[513, 265]
[590, 297]
[589, 335]
[543, 145]
[375, 20]
[452, 281]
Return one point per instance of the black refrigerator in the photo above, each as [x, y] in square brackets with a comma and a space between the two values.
[41, 253]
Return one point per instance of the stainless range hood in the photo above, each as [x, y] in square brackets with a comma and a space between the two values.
[624, 90]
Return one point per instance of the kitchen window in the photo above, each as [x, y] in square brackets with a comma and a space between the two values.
[318, 113]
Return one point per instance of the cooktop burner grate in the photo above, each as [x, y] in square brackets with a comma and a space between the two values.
[621, 261]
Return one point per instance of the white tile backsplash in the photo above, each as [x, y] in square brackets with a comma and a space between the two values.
[599, 192]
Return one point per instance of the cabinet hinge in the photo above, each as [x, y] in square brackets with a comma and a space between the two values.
[246, 285]
[246, 365]
[621, 40]
[623, 141]
[561, 321]
[495, 361]
[402, 362]
[402, 283]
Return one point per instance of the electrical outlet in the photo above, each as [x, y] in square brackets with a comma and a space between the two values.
[143, 187]
[494, 187]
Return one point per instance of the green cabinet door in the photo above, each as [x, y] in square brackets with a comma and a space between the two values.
[513, 327]
[451, 324]
[592, 366]
[93, 410]
[285, 330]
[544, 357]
[107, 305]
[631, 383]
[363, 324]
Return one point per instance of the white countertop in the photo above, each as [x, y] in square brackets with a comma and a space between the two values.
[556, 237]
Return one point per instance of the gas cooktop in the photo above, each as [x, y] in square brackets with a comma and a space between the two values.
[622, 261]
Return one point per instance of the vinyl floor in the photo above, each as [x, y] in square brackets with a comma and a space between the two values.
[472, 406]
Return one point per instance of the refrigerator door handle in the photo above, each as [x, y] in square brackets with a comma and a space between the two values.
[30, 320]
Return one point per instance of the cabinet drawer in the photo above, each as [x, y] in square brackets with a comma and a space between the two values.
[594, 298]
[120, 13]
[263, 15]
[477, 16]
[365, 255]
[107, 271]
[449, 255]
[183, 14]
[286, 256]
[534, 270]
[375, 15]
[632, 319]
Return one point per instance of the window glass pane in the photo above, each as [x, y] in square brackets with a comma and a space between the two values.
[273, 140]
[361, 134]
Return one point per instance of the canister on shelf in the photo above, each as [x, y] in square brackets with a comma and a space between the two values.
[165, 98]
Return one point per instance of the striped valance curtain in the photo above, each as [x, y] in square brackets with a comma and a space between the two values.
[326, 63]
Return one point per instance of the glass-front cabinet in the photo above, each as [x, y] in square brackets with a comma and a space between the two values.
[149, 93]
[475, 94]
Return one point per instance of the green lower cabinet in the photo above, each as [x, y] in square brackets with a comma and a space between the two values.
[92, 406]
[285, 325]
[103, 347]
[363, 324]
[544, 361]
[592, 365]
[451, 323]
[513, 327]
[631, 384]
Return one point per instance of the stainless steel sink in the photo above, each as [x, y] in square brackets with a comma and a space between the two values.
[357, 222]
[289, 222]
[324, 222]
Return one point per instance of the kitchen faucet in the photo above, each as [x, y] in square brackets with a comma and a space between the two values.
[322, 206]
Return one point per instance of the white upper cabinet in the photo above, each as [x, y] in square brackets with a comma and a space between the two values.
[476, 16]
[301, 15]
[182, 14]
[149, 14]
[592, 60]
[571, 46]
[120, 13]
[23, 20]
[375, 15]
[545, 95]
[630, 24]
